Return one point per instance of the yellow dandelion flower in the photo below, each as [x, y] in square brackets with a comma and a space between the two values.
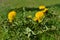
[42, 7]
[38, 16]
[11, 16]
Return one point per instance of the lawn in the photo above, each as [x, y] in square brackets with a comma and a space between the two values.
[24, 28]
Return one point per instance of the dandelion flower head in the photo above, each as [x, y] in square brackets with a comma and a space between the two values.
[11, 16]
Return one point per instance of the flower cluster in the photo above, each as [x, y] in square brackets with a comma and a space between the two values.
[40, 14]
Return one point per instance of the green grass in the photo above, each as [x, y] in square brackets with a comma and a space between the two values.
[24, 28]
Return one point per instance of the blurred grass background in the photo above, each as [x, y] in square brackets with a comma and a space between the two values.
[17, 30]
[27, 3]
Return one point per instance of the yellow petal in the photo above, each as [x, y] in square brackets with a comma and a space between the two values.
[45, 10]
[35, 19]
[42, 7]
